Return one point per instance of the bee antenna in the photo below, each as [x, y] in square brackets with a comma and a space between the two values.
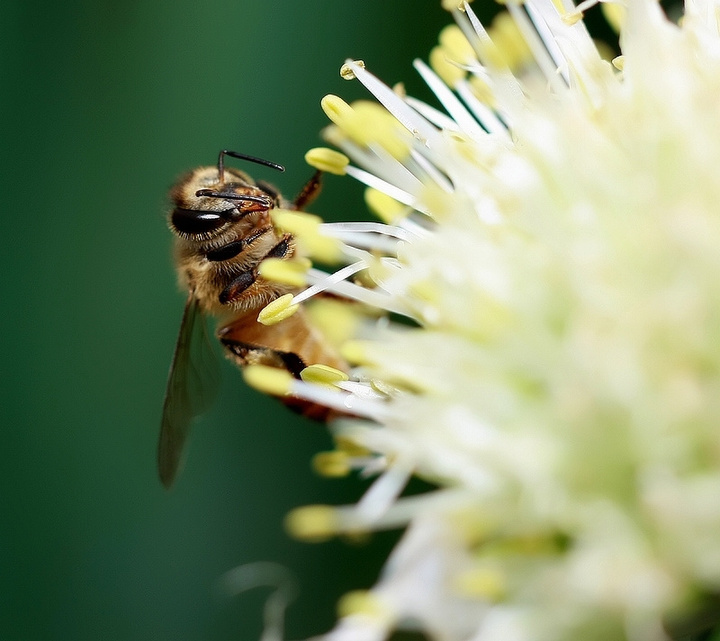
[235, 154]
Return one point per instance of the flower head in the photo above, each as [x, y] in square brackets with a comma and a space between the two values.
[551, 236]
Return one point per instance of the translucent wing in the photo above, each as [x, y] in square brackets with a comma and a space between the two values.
[192, 385]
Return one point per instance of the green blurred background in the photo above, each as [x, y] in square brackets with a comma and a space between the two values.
[103, 105]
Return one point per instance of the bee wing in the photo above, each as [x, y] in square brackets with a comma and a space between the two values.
[191, 388]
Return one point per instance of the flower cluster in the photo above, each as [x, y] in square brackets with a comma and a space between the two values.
[548, 352]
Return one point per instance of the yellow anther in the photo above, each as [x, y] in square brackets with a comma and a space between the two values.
[615, 14]
[456, 45]
[484, 583]
[619, 62]
[336, 319]
[383, 206]
[367, 123]
[306, 229]
[346, 71]
[350, 447]
[374, 125]
[336, 109]
[382, 387]
[332, 464]
[426, 290]
[295, 222]
[335, 136]
[508, 48]
[327, 160]
[312, 523]
[572, 17]
[288, 272]
[322, 248]
[451, 5]
[444, 67]
[280, 309]
[354, 352]
[269, 380]
[482, 91]
[365, 603]
[323, 375]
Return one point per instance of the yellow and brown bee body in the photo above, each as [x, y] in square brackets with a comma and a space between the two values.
[220, 241]
[223, 231]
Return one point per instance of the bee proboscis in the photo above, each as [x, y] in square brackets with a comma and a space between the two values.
[223, 231]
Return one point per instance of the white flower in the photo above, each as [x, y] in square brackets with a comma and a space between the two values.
[554, 236]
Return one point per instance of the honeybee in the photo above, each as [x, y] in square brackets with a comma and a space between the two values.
[223, 231]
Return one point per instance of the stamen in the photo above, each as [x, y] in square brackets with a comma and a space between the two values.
[486, 583]
[485, 116]
[454, 107]
[323, 375]
[376, 183]
[332, 464]
[384, 491]
[614, 13]
[370, 297]
[322, 522]
[338, 229]
[343, 402]
[288, 272]
[329, 281]
[342, 461]
[312, 523]
[433, 173]
[278, 310]
[536, 38]
[327, 160]
[337, 319]
[384, 207]
[305, 228]
[346, 71]
[368, 605]
[354, 352]
[435, 116]
[408, 117]
[450, 72]
[269, 380]
[456, 46]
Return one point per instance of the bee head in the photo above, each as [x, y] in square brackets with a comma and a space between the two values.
[210, 198]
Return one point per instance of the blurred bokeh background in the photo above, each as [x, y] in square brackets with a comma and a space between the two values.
[103, 104]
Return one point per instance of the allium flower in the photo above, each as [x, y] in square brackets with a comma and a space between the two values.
[552, 238]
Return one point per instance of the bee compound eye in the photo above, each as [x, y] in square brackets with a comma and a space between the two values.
[198, 221]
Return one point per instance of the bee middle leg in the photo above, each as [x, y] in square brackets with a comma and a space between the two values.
[237, 286]
[309, 192]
